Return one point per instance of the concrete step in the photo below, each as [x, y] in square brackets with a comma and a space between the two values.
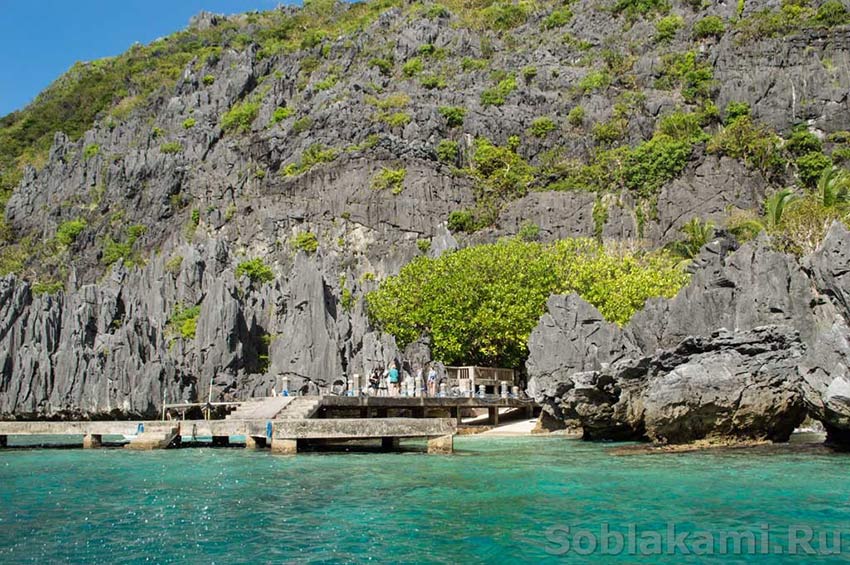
[154, 439]
[260, 409]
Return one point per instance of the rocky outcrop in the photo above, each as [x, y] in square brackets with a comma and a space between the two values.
[741, 290]
[111, 349]
[741, 385]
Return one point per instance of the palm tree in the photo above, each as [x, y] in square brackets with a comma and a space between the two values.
[833, 187]
[698, 234]
[775, 204]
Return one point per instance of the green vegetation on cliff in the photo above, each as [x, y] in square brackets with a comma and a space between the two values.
[479, 304]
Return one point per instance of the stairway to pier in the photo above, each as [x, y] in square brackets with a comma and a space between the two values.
[155, 438]
[301, 408]
[276, 408]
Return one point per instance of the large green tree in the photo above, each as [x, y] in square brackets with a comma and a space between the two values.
[479, 304]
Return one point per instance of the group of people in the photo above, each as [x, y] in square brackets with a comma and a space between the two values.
[392, 381]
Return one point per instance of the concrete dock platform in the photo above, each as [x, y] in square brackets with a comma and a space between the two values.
[287, 433]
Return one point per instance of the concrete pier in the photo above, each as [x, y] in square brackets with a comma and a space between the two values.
[221, 441]
[441, 445]
[282, 424]
[252, 442]
[284, 446]
[287, 433]
[92, 441]
[390, 442]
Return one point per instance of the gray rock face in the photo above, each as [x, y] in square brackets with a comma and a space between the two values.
[742, 385]
[741, 290]
[110, 349]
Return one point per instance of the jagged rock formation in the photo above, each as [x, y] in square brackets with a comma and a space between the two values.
[109, 348]
[742, 385]
[205, 198]
[739, 290]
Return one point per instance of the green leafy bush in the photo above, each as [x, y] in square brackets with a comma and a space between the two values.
[396, 119]
[558, 18]
[541, 126]
[256, 270]
[666, 28]
[392, 179]
[744, 139]
[529, 231]
[67, 232]
[184, 321]
[171, 147]
[424, 245]
[501, 172]
[576, 116]
[240, 117]
[462, 221]
[594, 80]
[832, 13]
[432, 82]
[470, 64]
[327, 83]
[189, 123]
[683, 126]
[314, 155]
[447, 151]
[306, 241]
[634, 9]
[385, 66]
[114, 251]
[610, 131]
[810, 167]
[649, 165]
[709, 26]
[502, 15]
[805, 223]
[173, 264]
[735, 110]
[696, 77]
[802, 141]
[453, 114]
[302, 125]
[412, 67]
[437, 11]
[47, 287]
[208, 80]
[281, 113]
[497, 95]
[479, 304]
[91, 151]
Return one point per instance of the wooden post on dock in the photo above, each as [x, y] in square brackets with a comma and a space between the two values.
[493, 415]
[4, 441]
[92, 441]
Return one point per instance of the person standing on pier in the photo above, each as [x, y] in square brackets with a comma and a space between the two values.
[432, 381]
[392, 380]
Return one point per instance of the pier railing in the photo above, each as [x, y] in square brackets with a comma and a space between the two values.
[470, 377]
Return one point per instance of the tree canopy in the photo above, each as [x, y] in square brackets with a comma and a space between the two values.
[480, 304]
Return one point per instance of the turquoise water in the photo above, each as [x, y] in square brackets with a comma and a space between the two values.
[496, 500]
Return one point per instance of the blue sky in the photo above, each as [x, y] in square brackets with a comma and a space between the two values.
[41, 39]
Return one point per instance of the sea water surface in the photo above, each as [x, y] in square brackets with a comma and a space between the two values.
[496, 500]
